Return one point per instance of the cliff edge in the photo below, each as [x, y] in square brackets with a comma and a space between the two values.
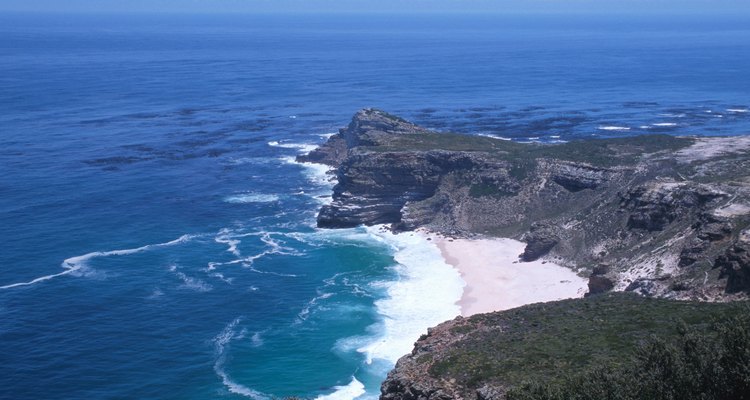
[659, 215]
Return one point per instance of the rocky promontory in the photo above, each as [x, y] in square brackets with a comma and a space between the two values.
[659, 215]
[662, 217]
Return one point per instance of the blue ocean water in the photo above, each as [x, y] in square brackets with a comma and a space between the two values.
[158, 240]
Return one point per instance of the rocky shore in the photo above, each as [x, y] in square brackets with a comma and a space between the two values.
[660, 216]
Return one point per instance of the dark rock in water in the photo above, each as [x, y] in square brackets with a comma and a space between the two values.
[539, 241]
[599, 284]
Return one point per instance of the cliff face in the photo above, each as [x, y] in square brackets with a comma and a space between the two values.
[658, 215]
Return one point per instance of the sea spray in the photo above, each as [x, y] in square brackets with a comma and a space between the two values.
[423, 292]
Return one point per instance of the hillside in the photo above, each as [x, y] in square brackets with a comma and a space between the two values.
[658, 215]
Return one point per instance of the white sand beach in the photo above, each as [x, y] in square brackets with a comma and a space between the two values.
[496, 280]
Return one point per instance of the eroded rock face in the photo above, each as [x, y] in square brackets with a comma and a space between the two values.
[539, 241]
[373, 188]
[657, 204]
[577, 177]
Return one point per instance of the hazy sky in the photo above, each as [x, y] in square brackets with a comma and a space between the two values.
[660, 6]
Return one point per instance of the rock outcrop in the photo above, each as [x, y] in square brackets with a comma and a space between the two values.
[657, 215]
[663, 212]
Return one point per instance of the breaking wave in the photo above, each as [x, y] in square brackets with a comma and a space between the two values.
[222, 343]
[78, 264]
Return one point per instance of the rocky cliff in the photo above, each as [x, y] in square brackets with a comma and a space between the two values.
[659, 215]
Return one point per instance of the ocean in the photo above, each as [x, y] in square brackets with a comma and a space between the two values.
[158, 239]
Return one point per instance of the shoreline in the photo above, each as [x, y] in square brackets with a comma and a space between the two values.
[496, 280]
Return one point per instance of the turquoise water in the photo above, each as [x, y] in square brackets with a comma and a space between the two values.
[158, 240]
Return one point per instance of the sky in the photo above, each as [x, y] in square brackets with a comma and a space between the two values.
[500, 6]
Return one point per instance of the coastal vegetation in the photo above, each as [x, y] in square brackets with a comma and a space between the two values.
[611, 346]
[601, 152]
[541, 341]
[699, 364]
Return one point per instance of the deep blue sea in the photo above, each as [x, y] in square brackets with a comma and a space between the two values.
[157, 238]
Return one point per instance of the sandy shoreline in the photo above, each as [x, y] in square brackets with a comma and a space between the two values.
[496, 280]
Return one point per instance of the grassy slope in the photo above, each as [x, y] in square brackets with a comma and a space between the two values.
[542, 342]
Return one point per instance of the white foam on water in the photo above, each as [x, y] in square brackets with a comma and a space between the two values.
[613, 128]
[319, 174]
[157, 293]
[424, 294]
[222, 343]
[77, 265]
[664, 124]
[258, 271]
[257, 339]
[231, 239]
[348, 392]
[221, 277]
[737, 110]
[225, 236]
[245, 198]
[305, 312]
[341, 279]
[189, 282]
[301, 147]
[327, 237]
[491, 136]
[251, 160]
[671, 115]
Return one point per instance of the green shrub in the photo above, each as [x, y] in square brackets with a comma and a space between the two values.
[711, 364]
